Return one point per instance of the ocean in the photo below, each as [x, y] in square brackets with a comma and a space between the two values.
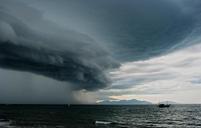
[99, 116]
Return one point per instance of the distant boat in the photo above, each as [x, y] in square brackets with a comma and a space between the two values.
[163, 105]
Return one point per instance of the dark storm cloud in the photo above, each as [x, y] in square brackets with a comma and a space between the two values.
[130, 29]
[64, 55]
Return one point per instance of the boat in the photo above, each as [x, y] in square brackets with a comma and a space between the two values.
[163, 105]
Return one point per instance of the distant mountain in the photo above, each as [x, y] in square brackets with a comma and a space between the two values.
[168, 102]
[125, 102]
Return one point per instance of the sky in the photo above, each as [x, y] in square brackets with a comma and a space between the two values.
[75, 51]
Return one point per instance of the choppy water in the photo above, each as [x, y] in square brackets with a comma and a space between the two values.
[100, 116]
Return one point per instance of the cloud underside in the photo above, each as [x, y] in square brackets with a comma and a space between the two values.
[66, 55]
[56, 65]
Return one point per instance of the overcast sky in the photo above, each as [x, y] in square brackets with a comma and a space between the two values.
[75, 51]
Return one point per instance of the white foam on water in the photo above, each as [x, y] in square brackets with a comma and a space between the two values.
[5, 124]
[102, 122]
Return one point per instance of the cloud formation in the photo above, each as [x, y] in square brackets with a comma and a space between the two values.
[64, 55]
[88, 39]
[171, 74]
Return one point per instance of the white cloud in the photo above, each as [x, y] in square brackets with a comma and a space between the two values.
[175, 76]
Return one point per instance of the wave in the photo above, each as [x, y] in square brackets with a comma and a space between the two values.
[118, 124]
[5, 124]
[103, 122]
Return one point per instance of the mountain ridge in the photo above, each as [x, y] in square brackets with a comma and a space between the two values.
[124, 102]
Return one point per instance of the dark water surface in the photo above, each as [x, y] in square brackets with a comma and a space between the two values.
[86, 116]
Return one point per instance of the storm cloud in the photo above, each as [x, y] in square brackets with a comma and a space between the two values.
[65, 56]
[91, 45]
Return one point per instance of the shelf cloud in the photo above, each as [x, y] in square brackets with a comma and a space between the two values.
[97, 46]
[66, 55]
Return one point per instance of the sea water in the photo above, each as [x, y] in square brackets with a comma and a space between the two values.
[99, 116]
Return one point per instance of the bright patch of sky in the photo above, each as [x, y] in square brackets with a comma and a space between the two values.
[175, 76]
